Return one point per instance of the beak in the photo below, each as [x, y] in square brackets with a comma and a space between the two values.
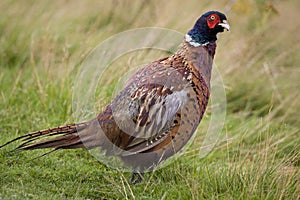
[225, 25]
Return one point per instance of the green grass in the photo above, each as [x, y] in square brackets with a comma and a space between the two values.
[43, 44]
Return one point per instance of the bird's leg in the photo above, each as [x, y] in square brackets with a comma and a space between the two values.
[137, 177]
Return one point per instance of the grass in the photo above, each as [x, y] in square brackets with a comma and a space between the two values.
[43, 44]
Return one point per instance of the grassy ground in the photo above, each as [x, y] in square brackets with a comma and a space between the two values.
[257, 157]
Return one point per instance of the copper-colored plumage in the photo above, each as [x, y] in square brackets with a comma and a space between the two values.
[152, 118]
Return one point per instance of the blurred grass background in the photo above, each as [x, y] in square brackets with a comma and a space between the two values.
[42, 45]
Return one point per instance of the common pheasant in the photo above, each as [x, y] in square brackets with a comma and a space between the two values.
[157, 111]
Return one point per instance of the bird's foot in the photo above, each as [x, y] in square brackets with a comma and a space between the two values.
[136, 177]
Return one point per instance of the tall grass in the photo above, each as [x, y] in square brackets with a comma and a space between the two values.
[43, 44]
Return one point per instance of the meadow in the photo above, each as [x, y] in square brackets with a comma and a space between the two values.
[257, 156]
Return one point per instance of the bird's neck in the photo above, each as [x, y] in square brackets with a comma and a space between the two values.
[200, 37]
[199, 59]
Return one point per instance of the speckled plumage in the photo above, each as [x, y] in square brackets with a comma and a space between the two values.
[155, 114]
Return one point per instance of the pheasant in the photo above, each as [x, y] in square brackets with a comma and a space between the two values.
[156, 112]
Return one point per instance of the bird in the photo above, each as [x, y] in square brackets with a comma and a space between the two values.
[157, 111]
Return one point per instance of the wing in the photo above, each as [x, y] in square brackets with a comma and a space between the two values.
[150, 105]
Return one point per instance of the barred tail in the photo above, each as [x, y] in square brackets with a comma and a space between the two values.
[62, 137]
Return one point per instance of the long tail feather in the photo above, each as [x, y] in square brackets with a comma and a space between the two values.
[67, 137]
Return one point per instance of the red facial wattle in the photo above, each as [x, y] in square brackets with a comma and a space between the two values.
[213, 20]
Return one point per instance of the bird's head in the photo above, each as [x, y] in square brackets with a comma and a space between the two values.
[207, 27]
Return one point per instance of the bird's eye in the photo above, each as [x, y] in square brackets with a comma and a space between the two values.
[212, 17]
